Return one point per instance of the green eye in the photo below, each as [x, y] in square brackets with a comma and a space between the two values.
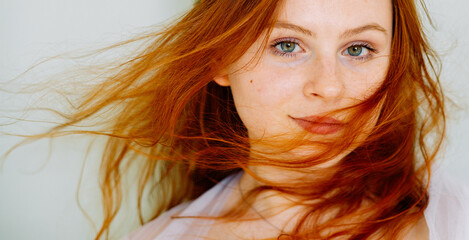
[287, 46]
[355, 50]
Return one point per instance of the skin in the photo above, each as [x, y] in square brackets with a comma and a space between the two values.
[309, 67]
[320, 75]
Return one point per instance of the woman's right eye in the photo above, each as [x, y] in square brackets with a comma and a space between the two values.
[286, 47]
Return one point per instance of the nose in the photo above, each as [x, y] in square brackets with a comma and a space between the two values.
[324, 80]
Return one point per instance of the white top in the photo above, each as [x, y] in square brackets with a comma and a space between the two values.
[447, 214]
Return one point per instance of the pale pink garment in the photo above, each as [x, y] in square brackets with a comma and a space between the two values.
[447, 215]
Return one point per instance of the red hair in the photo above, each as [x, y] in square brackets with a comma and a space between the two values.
[185, 134]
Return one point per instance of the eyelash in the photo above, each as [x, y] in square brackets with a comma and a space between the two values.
[274, 45]
[365, 45]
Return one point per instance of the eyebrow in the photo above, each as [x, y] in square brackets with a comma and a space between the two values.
[294, 27]
[347, 33]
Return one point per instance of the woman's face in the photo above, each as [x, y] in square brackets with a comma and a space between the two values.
[323, 55]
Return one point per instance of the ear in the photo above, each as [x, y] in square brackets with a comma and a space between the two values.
[222, 79]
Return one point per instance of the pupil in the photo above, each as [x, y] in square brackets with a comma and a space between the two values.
[355, 51]
[288, 46]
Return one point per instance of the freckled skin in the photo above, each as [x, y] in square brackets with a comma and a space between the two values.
[316, 79]
[319, 78]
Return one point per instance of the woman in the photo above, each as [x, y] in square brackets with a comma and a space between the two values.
[315, 113]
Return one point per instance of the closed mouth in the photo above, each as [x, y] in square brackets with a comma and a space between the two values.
[319, 125]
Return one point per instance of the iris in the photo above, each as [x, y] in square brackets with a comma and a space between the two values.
[288, 46]
[355, 50]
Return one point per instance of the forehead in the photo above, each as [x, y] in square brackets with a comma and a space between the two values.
[322, 16]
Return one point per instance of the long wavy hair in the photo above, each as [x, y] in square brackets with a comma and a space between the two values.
[164, 112]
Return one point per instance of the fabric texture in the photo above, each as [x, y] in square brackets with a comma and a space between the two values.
[447, 215]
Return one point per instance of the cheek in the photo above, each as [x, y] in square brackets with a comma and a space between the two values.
[363, 86]
[262, 88]
[262, 99]
[364, 83]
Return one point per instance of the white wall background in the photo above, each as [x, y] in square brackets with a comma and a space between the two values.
[451, 40]
[38, 197]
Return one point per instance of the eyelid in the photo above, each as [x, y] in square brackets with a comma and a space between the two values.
[364, 44]
[287, 39]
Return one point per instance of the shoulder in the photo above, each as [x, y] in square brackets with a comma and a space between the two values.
[152, 229]
[447, 214]
[188, 223]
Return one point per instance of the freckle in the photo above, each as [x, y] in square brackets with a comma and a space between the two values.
[250, 81]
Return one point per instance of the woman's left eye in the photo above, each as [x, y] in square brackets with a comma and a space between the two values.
[360, 51]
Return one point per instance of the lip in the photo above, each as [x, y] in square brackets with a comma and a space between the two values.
[319, 124]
